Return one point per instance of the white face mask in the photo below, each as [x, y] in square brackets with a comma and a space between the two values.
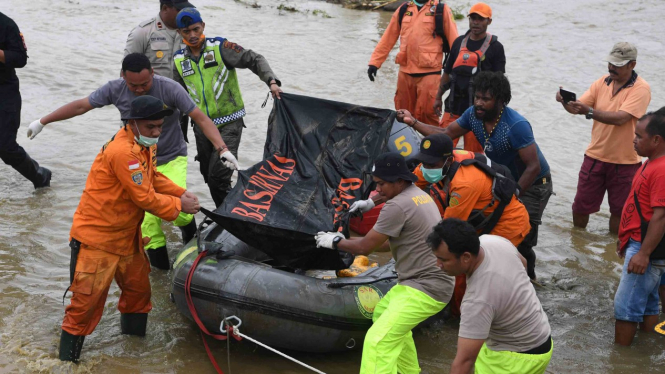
[144, 140]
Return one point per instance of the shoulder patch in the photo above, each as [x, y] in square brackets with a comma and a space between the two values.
[232, 46]
[137, 177]
[146, 23]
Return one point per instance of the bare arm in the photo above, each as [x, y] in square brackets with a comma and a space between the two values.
[640, 261]
[208, 127]
[529, 155]
[67, 111]
[617, 118]
[363, 246]
[454, 130]
[2, 56]
[467, 352]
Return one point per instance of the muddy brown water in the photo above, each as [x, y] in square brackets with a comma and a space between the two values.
[75, 46]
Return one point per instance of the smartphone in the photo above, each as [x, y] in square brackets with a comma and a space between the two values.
[567, 95]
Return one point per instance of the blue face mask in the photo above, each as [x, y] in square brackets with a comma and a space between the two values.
[432, 175]
[144, 140]
[418, 4]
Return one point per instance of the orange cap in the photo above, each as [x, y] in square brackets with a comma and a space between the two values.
[482, 10]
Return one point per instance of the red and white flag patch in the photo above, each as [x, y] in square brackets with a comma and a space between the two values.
[133, 165]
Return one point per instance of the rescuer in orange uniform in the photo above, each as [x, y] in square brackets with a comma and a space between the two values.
[420, 54]
[106, 238]
[464, 194]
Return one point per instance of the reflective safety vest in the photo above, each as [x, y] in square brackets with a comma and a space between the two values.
[211, 84]
[466, 66]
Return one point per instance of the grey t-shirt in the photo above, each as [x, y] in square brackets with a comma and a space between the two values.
[171, 142]
[500, 304]
[408, 219]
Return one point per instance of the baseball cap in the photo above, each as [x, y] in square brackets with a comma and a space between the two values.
[178, 4]
[434, 148]
[391, 166]
[187, 17]
[481, 9]
[148, 107]
[622, 53]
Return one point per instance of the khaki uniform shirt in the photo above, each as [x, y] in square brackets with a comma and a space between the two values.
[158, 42]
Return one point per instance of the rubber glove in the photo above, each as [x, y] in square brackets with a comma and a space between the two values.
[363, 206]
[371, 72]
[325, 239]
[35, 128]
[229, 160]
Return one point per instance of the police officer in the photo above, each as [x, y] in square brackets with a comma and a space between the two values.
[13, 54]
[207, 68]
[158, 38]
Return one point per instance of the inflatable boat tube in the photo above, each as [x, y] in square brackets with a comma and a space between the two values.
[277, 307]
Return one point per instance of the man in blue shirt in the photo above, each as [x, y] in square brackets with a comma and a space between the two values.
[507, 138]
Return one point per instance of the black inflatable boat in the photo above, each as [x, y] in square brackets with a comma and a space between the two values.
[277, 307]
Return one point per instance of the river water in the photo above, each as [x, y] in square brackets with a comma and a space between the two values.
[75, 46]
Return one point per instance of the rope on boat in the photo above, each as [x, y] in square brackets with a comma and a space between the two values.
[235, 331]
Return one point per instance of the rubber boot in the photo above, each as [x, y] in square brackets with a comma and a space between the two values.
[70, 347]
[30, 169]
[188, 231]
[133, 323]
[159, 258]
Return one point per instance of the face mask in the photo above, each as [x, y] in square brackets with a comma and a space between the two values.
[418, 4]
[144, 140]
[432, 175]
[201, 39]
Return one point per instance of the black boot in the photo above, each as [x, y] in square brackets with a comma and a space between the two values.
[188, 231]
[30, 169]
[159, 258]
[133, 323]
[70, 347]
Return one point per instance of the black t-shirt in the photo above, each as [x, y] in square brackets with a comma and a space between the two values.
[495, 60]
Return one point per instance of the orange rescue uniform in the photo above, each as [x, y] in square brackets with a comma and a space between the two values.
[471, 189]
[420, 57]
[122, 185]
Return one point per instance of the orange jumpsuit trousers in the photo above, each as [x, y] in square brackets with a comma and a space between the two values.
[416, 94]
[95, 269]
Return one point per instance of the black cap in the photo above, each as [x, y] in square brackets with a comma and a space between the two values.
[391, 166]
[434, 148]
[148, 107]
[178, 4]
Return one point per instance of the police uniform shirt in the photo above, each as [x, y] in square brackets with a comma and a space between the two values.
[157, 42]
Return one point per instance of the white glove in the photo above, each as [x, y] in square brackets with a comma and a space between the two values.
[325, 239]
[363, 205]
[229, 160]
[35, 128]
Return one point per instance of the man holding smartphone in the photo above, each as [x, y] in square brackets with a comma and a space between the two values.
[614, 103]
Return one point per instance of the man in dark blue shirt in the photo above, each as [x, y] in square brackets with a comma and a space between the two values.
[507, 138]
[13, 54]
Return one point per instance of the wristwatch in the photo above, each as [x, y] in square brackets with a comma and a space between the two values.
[589, 114]
[336, 241]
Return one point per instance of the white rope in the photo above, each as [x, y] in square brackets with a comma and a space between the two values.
[236, 332]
